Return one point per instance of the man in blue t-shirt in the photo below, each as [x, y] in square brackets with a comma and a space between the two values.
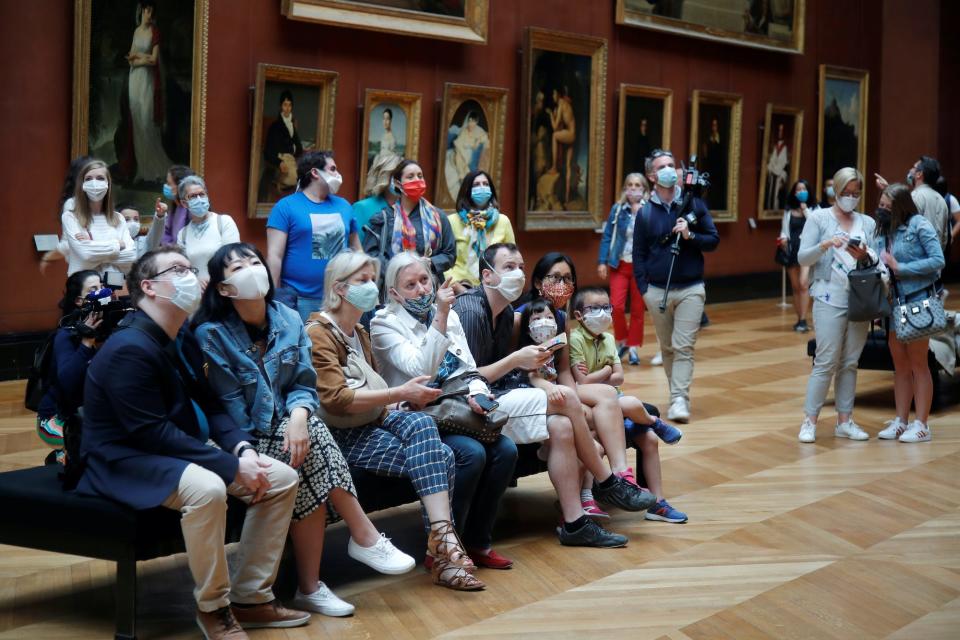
[308, 228]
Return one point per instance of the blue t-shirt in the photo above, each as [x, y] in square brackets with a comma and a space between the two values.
[316, 231]
[364, 209]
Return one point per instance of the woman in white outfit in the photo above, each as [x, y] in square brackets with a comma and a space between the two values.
[833, 241]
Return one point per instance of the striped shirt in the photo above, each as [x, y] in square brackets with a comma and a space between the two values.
[488, 342]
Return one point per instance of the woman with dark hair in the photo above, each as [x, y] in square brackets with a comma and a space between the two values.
[477, 224]
[258, 361]
[794, 217]
[411, 224]
[73, 346]
[910, 247]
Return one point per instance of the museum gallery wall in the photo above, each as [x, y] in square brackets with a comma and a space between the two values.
[241, 36]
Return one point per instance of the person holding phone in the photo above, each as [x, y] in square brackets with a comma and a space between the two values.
[418, 334]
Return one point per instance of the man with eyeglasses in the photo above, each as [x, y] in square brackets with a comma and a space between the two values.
[653, 237]
[148, 417]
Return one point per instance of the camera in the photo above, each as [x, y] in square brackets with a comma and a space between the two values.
[111, 313]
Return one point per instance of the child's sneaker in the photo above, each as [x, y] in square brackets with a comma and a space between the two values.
[663, 512]
[634, 357]
[667, 433]
[592, 510]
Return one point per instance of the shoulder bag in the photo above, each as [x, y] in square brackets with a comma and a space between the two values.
[453, 414]
[918, 319]
[867, 298]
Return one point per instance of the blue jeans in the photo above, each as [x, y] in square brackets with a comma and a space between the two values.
[483, 472]
[306, 306]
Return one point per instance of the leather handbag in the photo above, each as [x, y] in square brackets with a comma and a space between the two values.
[867, 298]
[453, 414]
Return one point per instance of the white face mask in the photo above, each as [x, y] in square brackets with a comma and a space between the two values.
[186, 292]
[542, 329]
[597, 321]
[96, 189]
[133, 227]
[511, 284]
[251, 283]
[333, 180]
[847, 203]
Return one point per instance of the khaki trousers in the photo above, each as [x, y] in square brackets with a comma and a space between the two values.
[677, 329]
[201, 498]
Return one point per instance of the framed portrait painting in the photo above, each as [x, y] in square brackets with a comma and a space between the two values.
[715, 130]
[459, 20]
[292, 113]
[643, 124]
[391, 126]
[473, 120]
[139, 89]
[767, 24]
[562, 130]
[780, 159]
[841, 121]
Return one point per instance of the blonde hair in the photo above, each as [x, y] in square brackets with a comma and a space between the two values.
[342, 266]
[843, 177]
[400, 262]
[81, 204]
[378, 177]
[633, 176]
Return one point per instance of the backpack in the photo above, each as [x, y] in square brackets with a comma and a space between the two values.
[37, 384]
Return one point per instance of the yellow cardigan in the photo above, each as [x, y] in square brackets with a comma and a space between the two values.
[501, 232]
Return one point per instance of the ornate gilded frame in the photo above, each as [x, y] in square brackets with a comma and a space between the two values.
[326, 81]
[797, 113]
[472, 28]
[411, 104]
[494, 103]
[626, 16]
[641, 91]
[596, 50]
[81, 80]
[735, 102]
[862, 77]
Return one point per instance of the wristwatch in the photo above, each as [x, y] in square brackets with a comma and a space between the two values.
[246, 447]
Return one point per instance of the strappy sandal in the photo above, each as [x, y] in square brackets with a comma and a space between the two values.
[451, 576]
[442, 550]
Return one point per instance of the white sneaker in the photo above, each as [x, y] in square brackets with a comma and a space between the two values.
[657, 360]
[323, 601]
[679, 411]
[808, 431]
[852, 430]
[382, 556]
[894, 430]
[917, 432]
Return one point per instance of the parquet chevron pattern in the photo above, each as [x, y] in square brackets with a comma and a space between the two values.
[835, 540]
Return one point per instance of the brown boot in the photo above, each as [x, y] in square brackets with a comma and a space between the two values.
[269, 614]
[220, 625]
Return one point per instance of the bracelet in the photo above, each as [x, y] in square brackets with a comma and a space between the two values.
[247, 447]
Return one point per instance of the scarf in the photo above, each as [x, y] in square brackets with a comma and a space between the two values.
[405, 235]
[475, 225]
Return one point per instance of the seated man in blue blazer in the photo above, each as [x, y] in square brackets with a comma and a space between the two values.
[148, 416]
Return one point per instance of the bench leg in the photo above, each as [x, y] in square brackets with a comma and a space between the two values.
[126, 593]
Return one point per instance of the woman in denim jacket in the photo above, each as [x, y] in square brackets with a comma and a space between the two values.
[258, 361]
[911, 250]
[616, 260]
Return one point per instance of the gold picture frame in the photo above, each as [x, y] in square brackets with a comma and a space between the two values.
[370, 15]
[377, 104]
[719, 24]
[708, 142]
[637, 106]
[117, 25]
[267, 184]
[850, 88]
[564, 75]
[773, 188]
[460, 102]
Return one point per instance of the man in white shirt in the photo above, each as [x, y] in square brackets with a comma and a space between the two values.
[931, 205]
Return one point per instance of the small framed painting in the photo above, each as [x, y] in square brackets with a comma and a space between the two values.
[391, 125]
[715, 130]
[780, 159]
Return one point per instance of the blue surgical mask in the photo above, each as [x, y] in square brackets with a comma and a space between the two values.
[363, 296]
[168, 192]
[481, 195]
[802, 196]
[910, 177]
[667, 177]
[830, 192]
[198, 206]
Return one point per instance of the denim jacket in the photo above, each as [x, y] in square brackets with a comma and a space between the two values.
[256, 399]
[916, 246]
[617, 223]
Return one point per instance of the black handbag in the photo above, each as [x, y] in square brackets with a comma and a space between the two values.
[867, 298]
[453, 414]
[782, 256]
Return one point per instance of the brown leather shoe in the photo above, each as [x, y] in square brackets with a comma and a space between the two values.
[220, 625]
[270, 614]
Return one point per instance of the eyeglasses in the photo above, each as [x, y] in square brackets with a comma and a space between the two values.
[597, 307]
[657, 153]
[178, 270]
[555, 279]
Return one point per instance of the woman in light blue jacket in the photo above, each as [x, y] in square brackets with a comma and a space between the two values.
[911, 250]
[258, 361]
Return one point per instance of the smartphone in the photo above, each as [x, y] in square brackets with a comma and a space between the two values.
[557, 342]
[485, 402]
[854, 242]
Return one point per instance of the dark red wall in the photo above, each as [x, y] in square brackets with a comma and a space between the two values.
[36, 108]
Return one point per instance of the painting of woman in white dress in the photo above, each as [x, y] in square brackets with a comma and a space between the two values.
[468, 146]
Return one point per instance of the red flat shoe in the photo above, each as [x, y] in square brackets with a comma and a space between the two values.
[490, 560]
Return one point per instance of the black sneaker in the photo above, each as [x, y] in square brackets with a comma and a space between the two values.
[624, 495]
[591, 535]
[801, 327]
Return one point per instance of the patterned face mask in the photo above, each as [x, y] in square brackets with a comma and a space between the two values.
[557, 292]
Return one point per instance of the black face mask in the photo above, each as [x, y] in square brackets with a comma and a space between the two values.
[883, 217]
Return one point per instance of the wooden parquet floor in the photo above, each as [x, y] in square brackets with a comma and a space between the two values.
[834, 540]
